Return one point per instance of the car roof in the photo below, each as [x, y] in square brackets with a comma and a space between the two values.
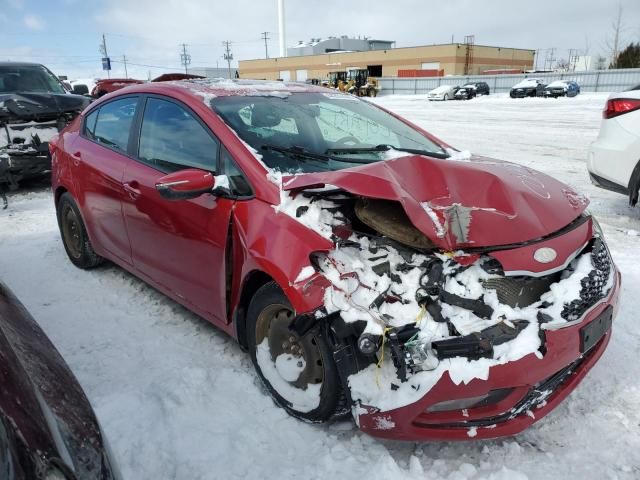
[20, 64]
[221, 87]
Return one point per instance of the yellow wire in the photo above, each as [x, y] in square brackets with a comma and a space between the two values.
[379, 364]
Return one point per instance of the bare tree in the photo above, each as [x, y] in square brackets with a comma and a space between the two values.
[562, 65]
[601, 62]
[614, 40]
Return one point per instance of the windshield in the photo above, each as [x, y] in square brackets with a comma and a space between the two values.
[310, 132]
[28, 78]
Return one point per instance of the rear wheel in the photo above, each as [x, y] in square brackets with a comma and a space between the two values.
[446, 97]
[74, 234]
[298, 371]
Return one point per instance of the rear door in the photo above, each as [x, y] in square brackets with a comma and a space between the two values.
[177, 245]
[100, 156]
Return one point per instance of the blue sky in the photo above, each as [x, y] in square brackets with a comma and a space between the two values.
[65, 34]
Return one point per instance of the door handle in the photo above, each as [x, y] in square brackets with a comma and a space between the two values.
[132, 188]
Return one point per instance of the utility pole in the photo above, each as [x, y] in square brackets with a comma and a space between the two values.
[185, 58]
[265, 36]
[124, 60]
[105, 54]
[228, 56]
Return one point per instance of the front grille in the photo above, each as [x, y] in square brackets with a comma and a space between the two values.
[520, 291]
[593, 285]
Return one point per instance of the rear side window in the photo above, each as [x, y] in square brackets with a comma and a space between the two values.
[113, 123]
[172, 139]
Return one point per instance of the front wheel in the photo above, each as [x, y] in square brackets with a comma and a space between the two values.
[298, 371]
[446, 97]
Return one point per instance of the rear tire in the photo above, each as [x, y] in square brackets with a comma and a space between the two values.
[74, 234]
[312, 391]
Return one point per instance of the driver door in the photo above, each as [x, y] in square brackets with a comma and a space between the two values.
[179, 246]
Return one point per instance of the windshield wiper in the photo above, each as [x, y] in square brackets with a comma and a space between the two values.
[303, 154]
[296, 151]
[385, 148]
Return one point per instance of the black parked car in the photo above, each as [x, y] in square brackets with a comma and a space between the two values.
[34, 106]
[470, 90]
[529, 87]
[48, 430]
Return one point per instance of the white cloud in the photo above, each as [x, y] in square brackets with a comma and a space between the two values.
[33, 23]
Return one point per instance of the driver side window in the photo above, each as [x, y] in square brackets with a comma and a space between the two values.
[172, 139]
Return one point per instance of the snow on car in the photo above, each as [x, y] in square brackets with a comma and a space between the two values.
[443, 92]
[529, 87]
[349, 256]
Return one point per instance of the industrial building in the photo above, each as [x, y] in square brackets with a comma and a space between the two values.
[318, 58]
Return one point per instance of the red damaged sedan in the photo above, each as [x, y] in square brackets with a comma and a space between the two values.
[368, 267]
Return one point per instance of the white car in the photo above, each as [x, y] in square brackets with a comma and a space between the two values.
[614, 158]
[443, 92]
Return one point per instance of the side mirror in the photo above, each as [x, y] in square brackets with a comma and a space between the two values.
[185, 184]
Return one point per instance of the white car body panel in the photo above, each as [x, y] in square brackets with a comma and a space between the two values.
[616, 151]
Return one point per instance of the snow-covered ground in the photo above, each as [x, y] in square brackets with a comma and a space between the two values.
[180, 400]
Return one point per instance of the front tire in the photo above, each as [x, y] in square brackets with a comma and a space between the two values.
[299, 372]
[74, 234]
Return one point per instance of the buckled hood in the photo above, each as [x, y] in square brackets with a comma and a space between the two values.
[39, 106]
[456, 204]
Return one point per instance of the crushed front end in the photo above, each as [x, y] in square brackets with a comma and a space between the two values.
[436, 343]
[27, 123]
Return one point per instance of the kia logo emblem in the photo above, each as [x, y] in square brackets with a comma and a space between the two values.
[545, 255]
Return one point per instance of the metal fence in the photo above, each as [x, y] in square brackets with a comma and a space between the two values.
[590, 81]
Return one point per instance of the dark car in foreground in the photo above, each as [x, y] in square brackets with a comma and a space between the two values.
[48, 430]
[343, 248]
[34, 106]
[562, 88]
[529, 87]
[471, 90]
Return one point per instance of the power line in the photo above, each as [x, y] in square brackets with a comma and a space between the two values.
[185, 58]
[228, 56]
[265, 36]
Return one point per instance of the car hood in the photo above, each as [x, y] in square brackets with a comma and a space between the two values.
[39, 106]
[461, 204]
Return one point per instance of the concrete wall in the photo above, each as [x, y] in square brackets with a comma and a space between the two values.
[450, 56]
